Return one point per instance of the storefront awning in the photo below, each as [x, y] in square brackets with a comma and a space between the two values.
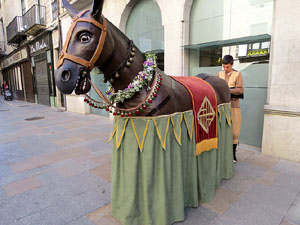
[231, 42]
[154, 51]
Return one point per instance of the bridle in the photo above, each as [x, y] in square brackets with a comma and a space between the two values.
[87, 64]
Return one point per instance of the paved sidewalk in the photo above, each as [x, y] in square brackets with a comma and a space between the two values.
[55, 170]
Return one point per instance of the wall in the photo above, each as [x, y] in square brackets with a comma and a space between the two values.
[245, 18]
[8, 13]
[175, 20]
[282, 112]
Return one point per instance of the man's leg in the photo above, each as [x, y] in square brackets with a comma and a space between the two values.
[236, 128]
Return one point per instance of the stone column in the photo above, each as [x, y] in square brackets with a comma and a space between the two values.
[175, 19]
[282, 113]
[173, 33]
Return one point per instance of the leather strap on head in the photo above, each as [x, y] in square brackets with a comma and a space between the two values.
[88, 64]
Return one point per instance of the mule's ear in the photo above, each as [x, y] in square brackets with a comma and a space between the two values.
[96, 10]
[72, 12]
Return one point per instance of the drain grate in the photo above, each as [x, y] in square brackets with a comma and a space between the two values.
[23, 105]
[4, 110]
[34, 118]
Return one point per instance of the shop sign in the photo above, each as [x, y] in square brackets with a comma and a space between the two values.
[14, 58]
[254, 49]
[40, 44]
[259, 52]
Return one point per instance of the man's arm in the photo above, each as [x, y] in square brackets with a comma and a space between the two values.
[239, 88]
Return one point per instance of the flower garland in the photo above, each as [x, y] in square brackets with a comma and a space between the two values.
[139, 82]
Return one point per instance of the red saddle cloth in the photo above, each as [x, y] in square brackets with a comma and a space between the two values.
[205, 112]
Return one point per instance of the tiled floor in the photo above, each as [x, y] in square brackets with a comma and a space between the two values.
[56, 171]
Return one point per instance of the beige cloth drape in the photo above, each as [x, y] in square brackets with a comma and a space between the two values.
[235, 81]
[236, 124]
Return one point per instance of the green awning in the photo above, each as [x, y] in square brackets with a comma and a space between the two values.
[155, 51]
[231, 42]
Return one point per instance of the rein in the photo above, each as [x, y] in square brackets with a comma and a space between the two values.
[148, 99]
[106, 104]
[88, 64]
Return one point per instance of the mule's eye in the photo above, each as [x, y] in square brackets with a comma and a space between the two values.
[85, 38]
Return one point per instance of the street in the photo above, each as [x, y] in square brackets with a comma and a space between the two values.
[55, 170]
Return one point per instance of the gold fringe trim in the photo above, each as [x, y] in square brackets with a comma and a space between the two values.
[206, 145]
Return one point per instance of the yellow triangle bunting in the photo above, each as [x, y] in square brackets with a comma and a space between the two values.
[140, 130]
[162, 130]
[115, 125]
[228, 114]
[189, 121]
[120, 130]
[177, 126]
[221, 109]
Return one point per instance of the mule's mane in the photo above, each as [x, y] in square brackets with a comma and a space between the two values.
[125, 61]
[118, 31]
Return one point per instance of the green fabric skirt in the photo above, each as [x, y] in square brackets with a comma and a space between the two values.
[155, 171]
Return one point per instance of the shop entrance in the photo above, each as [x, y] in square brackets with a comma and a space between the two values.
[42, 83]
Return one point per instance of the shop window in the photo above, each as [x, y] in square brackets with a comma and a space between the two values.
[41, 2]
[210, 57]
[19, 78]
[144, 27]
[259, 51]
[23, 6]
[54, 7]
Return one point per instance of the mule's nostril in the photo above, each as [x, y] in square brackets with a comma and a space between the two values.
[66, 75]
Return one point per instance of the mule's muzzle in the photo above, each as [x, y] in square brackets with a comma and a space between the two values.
[66, 76]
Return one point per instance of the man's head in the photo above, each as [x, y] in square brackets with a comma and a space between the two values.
[227, 63]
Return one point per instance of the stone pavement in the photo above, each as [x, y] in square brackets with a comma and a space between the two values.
[55, 170]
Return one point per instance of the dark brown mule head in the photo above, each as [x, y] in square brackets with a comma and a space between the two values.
[79, 54]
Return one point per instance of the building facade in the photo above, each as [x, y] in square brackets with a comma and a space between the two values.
[189, 37]
[28, 64]
[282, 111]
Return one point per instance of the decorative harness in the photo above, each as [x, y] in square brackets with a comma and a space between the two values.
[88, 64]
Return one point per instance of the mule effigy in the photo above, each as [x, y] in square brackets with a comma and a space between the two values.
[172, 137]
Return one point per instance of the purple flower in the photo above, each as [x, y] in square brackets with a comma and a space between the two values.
[147, 63]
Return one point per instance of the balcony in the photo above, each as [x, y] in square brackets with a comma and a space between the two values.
[80, 5]
[2, 48]
[34, 20]
[14, 31]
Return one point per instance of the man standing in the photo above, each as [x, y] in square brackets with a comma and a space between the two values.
[235, 82]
